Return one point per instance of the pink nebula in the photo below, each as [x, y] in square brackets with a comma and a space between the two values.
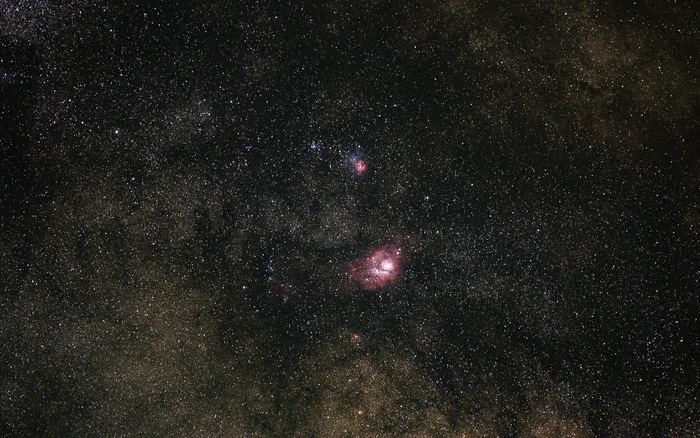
[359, 166]
[379, 267]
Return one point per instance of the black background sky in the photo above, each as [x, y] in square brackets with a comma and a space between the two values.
[180, 212]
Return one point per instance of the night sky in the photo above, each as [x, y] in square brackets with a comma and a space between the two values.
[349, 219]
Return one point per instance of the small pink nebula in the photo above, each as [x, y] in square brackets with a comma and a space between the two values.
[378, 268]
[359, 166]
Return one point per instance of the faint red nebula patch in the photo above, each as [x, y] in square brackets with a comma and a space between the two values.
[379, 267]
[359, 166]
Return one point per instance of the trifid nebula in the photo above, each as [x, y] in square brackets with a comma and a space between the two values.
[440, 218]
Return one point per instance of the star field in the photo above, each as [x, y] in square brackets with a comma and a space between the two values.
[349, 219]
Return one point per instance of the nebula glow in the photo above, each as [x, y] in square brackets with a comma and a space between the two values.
[379, 267]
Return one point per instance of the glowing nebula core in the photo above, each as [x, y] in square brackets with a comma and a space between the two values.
[359, 166]
[379, 267]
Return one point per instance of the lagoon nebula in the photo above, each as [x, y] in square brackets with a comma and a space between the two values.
[379, 267]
